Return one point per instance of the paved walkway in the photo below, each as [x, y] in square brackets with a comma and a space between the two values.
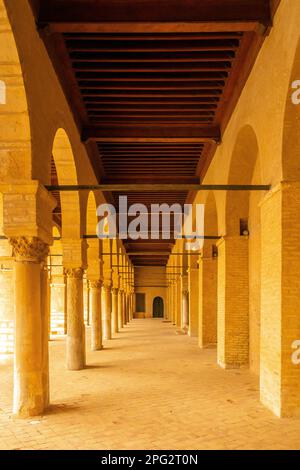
[149, 389]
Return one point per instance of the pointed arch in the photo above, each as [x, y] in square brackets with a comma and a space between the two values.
[65, 167]
[242, 166]
[291, 128]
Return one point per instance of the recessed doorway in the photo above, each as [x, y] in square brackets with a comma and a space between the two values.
[158, 307]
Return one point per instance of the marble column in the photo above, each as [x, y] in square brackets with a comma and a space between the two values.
[31, 369]
[106, 310]
[45, 316]
[120, 310]
[185, 311]
[76, 329]
[124, 309]
[115, 306]
[96, 315]
[65, 305]
[88, 305]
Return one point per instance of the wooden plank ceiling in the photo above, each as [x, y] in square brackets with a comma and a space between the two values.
[152, 85]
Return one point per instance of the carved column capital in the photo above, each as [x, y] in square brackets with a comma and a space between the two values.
[95, 284]
[30, 249]
[74, 273]
[115, 291]
[107, 286]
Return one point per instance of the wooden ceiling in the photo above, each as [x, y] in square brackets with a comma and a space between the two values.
[152, 85]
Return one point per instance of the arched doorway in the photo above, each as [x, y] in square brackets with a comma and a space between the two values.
[158, 307]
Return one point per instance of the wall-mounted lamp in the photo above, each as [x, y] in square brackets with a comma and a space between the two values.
[244, 229]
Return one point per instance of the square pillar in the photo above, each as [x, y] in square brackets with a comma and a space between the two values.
[208, 269]
[280, 301]
[233, 302]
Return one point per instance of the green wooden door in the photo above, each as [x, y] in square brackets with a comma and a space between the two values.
[158, 307]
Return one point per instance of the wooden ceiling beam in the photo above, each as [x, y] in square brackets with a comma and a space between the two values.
[151, 134]
[119, 16]
[225, 36]
[171, 67]
[90, 85]
[131, 53]
[146, 77]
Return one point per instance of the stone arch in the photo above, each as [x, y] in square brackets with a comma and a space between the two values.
[15, 132]
[94, 271]
[65, 168]
[57, 285]
[115, 256]
[239, 259]
[245, 168]
[291, 128]
[242, 166]
[107, 259]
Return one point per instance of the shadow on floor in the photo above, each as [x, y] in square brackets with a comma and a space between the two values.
[61, 408]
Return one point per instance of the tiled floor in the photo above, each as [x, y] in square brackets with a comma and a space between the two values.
[149, 389]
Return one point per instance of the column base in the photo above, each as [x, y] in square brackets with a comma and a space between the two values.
[231, 366]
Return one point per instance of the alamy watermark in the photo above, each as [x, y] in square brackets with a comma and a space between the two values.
[296, 93]
[296, 353]
[2, 92]
[161, 222]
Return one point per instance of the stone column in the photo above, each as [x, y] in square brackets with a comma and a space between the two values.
[125, 307]
[31, 367]
[76, 329]
[115, 328]
[208, 269]
[173, 303]
[166, 309]
[280, 300]
[45, 315]
[233, 302]
[184, 303]
[88, 305]
[96, 315]
[106, 310]
[65, 305]
[120, 310]
[185, 311]
[132, 305]
[193, 287]
[178, 300]
[129, 307]
[27, 223]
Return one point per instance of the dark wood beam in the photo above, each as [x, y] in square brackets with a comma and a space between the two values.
[151, 134]
[176, 16]
[159, 187]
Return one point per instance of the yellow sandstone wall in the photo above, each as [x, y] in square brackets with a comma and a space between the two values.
[155, 278]
[262, 108]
